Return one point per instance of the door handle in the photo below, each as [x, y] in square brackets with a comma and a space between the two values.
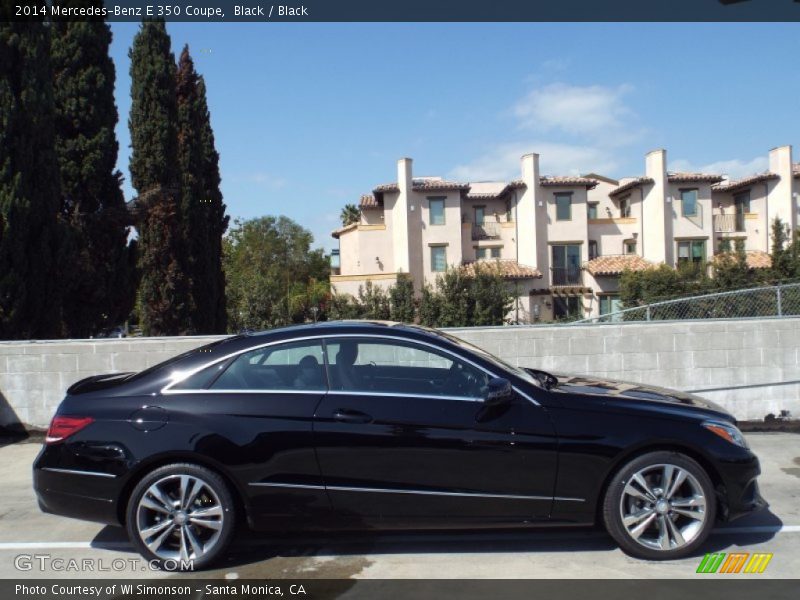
[351, 416]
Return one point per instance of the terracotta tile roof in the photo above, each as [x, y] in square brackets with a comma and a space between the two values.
[756, 259]
[369, 201]
[508, 269]
[693, 177]
[616, 264]
[636, 182]
[737, 184]
[567, 181]
[423, 185]
[386, 187]
[337, 232]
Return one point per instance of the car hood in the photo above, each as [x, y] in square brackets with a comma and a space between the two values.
[610, 388]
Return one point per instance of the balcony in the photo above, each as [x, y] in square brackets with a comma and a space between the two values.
[729, 223]
[560, 276]
[486, 231]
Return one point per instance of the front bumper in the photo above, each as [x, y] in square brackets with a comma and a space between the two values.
[738, 493]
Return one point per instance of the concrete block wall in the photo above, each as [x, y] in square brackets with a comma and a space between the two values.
[752, 367]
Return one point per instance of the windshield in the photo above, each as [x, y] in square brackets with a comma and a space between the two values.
[519, 372]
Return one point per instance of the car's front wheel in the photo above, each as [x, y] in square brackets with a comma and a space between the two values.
[660, 506]
[181, 516]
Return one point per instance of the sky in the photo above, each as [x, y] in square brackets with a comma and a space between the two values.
[308, 117]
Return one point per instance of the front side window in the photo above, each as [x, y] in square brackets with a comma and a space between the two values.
[400, 367]
[689, 203]
[438, 259]
[296, 366]
[563, 207]
[692, 252]
[436, 206]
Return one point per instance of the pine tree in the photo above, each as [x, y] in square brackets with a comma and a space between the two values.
[165, 288]
[100, 289]
[202, 211]
[29, 184]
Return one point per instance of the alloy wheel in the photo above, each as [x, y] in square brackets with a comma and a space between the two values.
[663, 507]
[180, 517]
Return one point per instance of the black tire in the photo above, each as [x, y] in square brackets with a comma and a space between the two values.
[613, 507]
[217, 491]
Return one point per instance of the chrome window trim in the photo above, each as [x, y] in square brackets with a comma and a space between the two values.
[78, 472]
[168, 388]
[341, 488]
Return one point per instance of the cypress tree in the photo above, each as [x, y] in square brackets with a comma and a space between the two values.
[29, 183]
[101, 287]
[203, 213]
[164, 290]
[217, 219]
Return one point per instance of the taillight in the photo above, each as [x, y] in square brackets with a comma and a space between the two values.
[62, 427]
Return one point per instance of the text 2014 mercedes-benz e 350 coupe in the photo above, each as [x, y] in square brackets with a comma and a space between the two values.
[380, 425]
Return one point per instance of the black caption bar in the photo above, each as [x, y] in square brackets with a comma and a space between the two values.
[176, 588]
[414, 10]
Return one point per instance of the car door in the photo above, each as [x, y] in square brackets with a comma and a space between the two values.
[404, 434]
[255, 411]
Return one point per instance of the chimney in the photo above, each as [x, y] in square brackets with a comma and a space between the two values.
[780, 202]
[527, 212]
[656, 212]
[401, 217]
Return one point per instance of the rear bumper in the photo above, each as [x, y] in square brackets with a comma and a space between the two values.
[80, 495]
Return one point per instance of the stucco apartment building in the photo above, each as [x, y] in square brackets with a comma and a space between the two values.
[561, 241]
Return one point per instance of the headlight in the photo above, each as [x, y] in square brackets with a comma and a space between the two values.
[727, 432]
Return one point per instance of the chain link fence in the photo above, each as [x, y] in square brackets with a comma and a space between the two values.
[772, 301]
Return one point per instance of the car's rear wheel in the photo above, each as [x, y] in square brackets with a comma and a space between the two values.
[181, 516]
[660, 506]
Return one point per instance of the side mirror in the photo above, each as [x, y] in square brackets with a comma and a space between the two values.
[499, 391]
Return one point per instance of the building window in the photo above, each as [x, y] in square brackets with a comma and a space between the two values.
[592, 249]
[689, 203]
[438, 259]
[625, 207]
[480, 215]
[566, 265]
[591, 210]
[436, 206]
[629, 247]
[484, 253]
[742, 204]
[509, 215]
[563, 207]
[692, 252]
[610, 303]
[335, 259]
[567, 307]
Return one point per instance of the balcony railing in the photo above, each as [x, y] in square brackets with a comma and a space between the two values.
[729, 223]
[486, 231]
[566, 276]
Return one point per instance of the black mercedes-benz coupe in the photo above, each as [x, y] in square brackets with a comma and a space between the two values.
[380, 425]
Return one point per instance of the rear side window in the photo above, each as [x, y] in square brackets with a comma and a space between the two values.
[297, 366]
[202, 379]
